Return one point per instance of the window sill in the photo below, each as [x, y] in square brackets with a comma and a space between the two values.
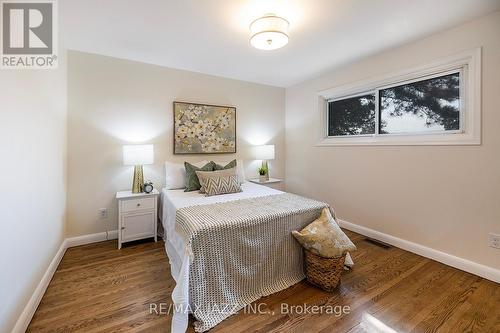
[399, 140]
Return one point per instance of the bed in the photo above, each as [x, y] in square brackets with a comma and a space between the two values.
[229, 250]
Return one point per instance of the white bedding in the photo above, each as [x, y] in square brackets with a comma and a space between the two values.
[172, 200]
[179, 257]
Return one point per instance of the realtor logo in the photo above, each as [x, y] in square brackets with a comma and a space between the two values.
[28, 34]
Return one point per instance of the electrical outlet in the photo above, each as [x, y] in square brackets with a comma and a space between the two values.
[103, 213]
[494, 240]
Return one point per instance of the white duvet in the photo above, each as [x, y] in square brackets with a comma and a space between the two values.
[179, 257]
[172, 200]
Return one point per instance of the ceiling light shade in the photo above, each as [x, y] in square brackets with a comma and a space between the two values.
[269, 32]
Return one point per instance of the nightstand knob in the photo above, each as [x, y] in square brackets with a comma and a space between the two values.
[123, 228]
[138, 204]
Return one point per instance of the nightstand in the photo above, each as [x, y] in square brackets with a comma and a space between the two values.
[137, 215]
[267, 182]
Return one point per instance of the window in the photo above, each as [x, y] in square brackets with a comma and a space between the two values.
[352, 116]
[438, 104]
[430, 105]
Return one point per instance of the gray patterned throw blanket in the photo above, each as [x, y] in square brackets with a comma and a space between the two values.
[242, 250]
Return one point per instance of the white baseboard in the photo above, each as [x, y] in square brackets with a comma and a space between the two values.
[91, 238]
[29, 310]
[486, 272]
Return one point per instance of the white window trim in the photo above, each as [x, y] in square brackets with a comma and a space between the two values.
[468, 62]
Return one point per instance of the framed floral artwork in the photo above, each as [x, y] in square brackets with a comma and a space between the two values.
[204, 129]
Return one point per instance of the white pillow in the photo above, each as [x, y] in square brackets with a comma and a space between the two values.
[240, 170]
[175, 174]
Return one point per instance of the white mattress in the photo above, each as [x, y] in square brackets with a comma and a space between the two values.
[171, 201]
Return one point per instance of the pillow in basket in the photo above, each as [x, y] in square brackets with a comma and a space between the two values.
[324, 237]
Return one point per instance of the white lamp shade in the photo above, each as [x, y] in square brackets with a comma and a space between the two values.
[138, 154]
[265, 152]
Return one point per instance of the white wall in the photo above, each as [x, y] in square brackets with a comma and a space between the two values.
[442, 197]
[33, 178]
[112, 102]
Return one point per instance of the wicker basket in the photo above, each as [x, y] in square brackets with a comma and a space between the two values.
[323, 272]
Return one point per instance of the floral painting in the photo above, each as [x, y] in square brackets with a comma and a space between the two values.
[204, 129]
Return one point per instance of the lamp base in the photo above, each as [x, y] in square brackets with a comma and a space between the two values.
[138, 181]
[265, 166]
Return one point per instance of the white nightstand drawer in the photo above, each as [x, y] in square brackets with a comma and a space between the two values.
[133, 205]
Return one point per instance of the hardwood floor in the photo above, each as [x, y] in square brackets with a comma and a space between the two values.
[98, 288]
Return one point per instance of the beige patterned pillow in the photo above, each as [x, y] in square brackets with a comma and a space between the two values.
[324, 237]
[222, 185]
[204, 175]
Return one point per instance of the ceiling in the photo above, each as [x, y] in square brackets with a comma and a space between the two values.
[212, 37]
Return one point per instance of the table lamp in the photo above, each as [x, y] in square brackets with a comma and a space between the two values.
[138, 155]
[265, 153]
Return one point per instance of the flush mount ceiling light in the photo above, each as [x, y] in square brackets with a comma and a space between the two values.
[269, 32]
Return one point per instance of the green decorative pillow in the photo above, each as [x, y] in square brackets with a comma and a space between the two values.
[222, 185]
[324, 237]
[192, 181]
[230, 165]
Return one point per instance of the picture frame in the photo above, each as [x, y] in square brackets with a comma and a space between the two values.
[204, 128]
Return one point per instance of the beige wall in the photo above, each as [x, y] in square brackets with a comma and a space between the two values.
[445, 197]
[112, 102]
[33, 178]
